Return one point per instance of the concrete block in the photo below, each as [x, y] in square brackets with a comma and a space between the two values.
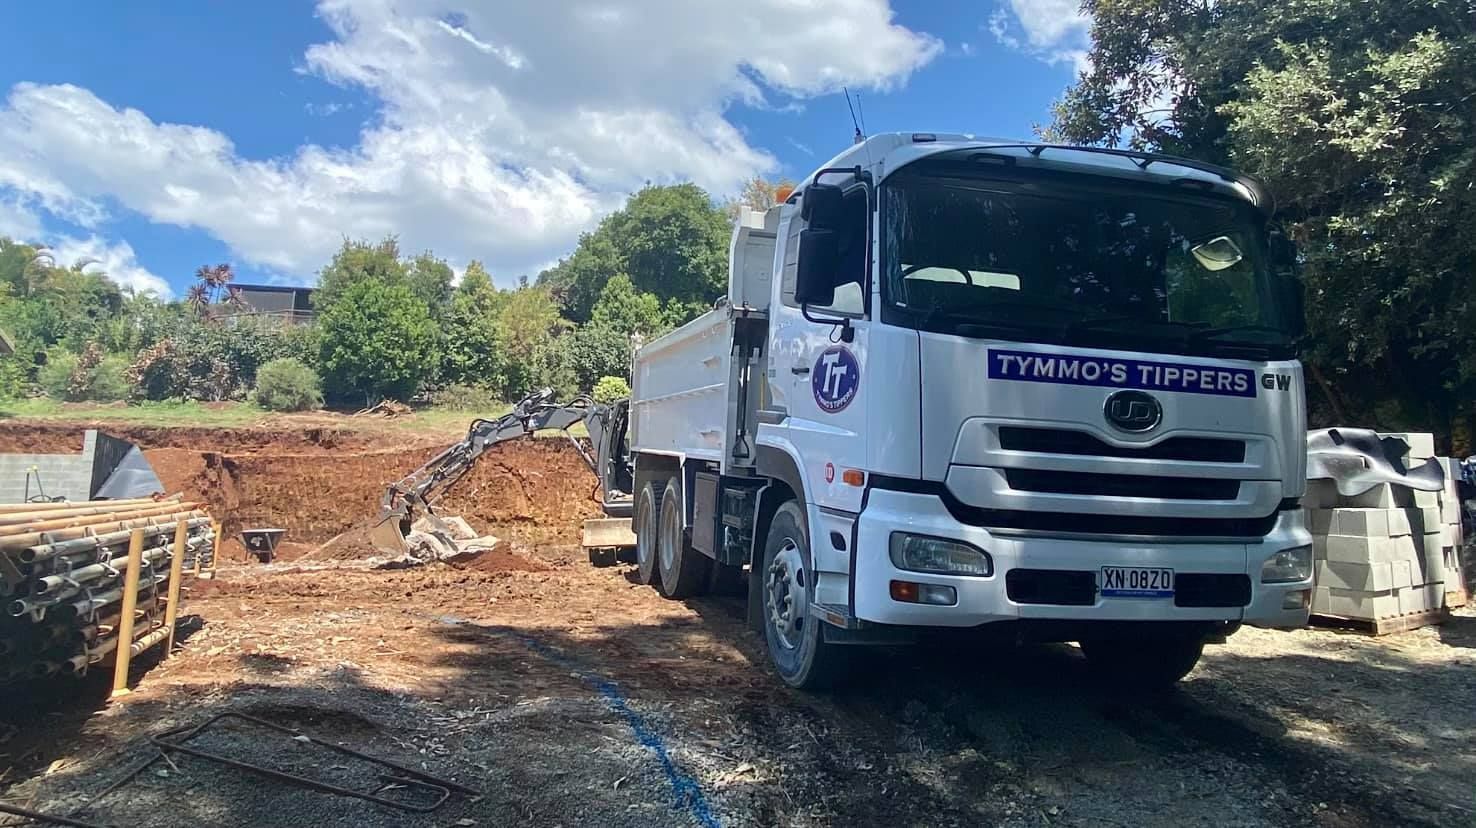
[1348, 603]
[1425, 500]
[1431, 563]
[1421, 446]
[1319, 521]
[1319, 547]
[1364, 577]
[1320, 494]
[1382, 496]
[1421, 598]
[1369, 523]
[1421, 520]
[1359, 549]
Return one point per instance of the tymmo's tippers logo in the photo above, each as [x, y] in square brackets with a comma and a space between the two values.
[835, 378]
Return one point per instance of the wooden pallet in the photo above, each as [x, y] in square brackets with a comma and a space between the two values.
[1383, 626]
[1457, 599]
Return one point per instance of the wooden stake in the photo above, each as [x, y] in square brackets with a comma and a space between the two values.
[176, 573]
[121, 655]
[215, 547]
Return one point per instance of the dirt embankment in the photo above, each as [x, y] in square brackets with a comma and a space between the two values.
[323, 483]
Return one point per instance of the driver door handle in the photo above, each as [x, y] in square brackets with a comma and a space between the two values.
[799, 370]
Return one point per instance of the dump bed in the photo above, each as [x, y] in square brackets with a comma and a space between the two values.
[679, 390]
[689, 396]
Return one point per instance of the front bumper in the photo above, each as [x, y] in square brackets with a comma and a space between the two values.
[984, 600]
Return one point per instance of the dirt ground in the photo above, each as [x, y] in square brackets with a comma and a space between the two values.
[568, 695]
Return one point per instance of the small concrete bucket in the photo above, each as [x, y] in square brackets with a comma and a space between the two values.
[262, 542]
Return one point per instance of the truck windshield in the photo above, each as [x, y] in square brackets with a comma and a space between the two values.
[1067, 260]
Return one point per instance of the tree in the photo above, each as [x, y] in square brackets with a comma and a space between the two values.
[377, 340]
[212, 289]
[759, 194]
[528, 325]
[1361, 116]
[470, 354]
[669, 240]
[358, 261]
[430, 279]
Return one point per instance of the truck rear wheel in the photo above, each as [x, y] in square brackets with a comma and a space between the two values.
[796, 641]
[1142, 664]
[683, 570]
[647, 512]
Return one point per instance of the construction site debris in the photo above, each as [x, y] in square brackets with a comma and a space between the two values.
[63, 571]
[414, 783]
[384, 408]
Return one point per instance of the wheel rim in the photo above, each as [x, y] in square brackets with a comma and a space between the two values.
[670, 536]
[785, 586]
[643, 537]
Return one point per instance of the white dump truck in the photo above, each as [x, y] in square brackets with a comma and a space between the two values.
[1040, 392]
[1048, 392]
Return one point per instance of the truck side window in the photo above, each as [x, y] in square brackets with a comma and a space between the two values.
[850, 284]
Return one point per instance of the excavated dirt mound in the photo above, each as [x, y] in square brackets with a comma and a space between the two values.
[325, 484]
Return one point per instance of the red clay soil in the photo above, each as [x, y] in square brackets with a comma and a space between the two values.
[323, 483]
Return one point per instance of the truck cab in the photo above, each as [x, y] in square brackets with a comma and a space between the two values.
[1047, 392]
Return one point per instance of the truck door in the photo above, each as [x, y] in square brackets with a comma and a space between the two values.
[820, 357]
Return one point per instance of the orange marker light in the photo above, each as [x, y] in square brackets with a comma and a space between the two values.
[853, 477]
[904, 591]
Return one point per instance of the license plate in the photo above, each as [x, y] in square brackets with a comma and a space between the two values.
[1137, 582]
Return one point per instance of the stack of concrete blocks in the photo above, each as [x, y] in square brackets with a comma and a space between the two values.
[1384, 555]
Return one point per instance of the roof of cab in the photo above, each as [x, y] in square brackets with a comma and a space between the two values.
[897, 149]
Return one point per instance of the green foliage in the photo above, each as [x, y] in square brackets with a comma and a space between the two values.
[610, 389]
[1361, 116]
[469, 353]
[467, 398]
[55, 377]
[529, 332]
[376, 341]
[286, 384]
[14, 378]
[430, 279]
[359, 261]
[668, 240]
[596, 351]
[109, 382]
[42, 305]
[204, 359]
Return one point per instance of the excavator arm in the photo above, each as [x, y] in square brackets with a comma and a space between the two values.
[412, 498]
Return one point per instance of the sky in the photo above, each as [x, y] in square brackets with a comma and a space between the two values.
[152, 138]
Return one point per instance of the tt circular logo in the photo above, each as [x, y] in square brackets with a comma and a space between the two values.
[835, 378]
[1133, 411]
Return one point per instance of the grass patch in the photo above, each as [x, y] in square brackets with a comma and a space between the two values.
[169, 413]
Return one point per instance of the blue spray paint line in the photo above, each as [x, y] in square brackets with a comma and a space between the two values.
[686, 791]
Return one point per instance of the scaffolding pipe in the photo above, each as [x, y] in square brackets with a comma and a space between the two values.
[94, 507]
[23, 545]
[130, 602]
[46, 550]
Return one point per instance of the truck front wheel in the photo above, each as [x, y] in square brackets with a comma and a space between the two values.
[797, 644]
[1146, 664]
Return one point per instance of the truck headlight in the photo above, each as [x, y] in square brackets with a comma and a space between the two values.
[1288, 565]
[919, 553]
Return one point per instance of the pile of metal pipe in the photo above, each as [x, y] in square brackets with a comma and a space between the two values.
[62, 576]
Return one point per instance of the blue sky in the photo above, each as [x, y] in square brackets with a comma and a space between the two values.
[157, 137]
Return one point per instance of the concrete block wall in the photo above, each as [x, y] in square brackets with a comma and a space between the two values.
[59, 475]
[1391, 551]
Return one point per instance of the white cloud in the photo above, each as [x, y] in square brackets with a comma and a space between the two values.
[18, 221]
[503, 129]
[116, 259]
[1056, 31]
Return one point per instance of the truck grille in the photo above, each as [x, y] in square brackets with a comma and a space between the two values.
[1080, 443]
[1121, 485]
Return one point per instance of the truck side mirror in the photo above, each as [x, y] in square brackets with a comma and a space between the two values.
[819, 256]
[820, 206]
[1288, 282]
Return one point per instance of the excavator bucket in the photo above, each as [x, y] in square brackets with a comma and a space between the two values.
[606, 539]
[387, 537]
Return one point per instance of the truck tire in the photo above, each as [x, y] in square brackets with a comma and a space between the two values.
[683, 570]
[646, 520]
[797, 644]
[1142, 664]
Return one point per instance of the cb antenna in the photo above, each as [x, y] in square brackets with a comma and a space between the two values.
[860, 136]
